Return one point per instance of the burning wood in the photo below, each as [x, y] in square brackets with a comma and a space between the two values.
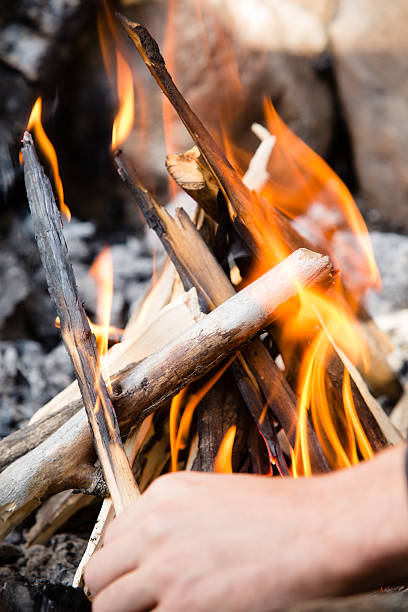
[154, 381]
[198, 267]
[211, 393]
[76, 333]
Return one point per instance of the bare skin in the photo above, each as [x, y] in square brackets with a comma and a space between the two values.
[232, 543]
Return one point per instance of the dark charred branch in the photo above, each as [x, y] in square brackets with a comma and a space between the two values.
[75, 330]
[241, 201]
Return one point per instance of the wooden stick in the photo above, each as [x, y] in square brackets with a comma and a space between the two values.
[75, 330]
[198, 267]
[140, 390]
[242, 202]
[190, 171]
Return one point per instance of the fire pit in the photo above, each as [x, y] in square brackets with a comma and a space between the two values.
[248, 345]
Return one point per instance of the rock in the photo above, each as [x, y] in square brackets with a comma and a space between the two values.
[369, 42]
[23, 50]
[324, 9]
[14, 279]
[391, 254]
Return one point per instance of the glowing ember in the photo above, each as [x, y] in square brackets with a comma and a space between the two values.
[45, 145]
[223, 460]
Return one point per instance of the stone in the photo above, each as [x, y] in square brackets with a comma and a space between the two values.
[391, 255]
[323, 9]
[14, 279]
[369, 39]
[23, 50]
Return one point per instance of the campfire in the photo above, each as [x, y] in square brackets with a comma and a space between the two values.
[251, 351]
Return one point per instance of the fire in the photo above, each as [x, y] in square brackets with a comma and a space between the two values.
[102, 272]
[115, 333]
[124, 120]
[35, 124]
[223, 460]
[302, 186]
[119, 72]
[180, 427]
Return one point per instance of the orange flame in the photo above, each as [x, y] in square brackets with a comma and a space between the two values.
[35, 124]
[115, 333]
[320, 321]
[179, 433]
[302, 185]
[119, 72]
[123, 123]
[223, 460]
[102, 272]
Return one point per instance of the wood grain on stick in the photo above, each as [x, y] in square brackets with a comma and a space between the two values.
[75, 330]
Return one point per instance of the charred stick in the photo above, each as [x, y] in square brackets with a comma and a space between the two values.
[53, 466]
[75, 330]
[241, 201]
[198, 267]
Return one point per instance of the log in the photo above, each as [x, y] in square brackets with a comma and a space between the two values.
[220, 408]
[198, 267]
[75, 330]
[379, 374]
[53, 466]
[163, 328]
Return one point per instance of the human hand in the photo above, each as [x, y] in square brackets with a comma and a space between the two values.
[233, 543]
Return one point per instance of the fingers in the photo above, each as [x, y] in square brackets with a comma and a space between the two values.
[119, 557]
[165, 488]
[133, 592]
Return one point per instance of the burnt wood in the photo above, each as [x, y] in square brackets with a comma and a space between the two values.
[75, 330]
[198, 267]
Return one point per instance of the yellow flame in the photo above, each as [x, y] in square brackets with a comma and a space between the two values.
[102, 272]
[223, 460]
[120, 76]
[123, 123]
[332, 411]
[115, 333]
[179, 432]
[45, 145]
